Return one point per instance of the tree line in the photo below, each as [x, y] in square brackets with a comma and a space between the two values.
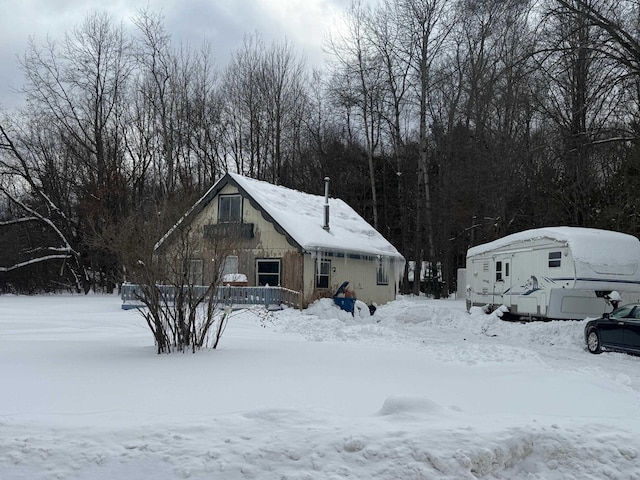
[445, 124]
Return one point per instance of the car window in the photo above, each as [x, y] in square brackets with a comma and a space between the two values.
[636, 313]
[622, 312]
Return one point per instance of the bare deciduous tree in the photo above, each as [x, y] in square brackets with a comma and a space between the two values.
[358, 87]
[23, 178]
[265, 108]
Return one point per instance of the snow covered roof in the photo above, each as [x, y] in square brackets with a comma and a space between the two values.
[588, 245]
[300, 216]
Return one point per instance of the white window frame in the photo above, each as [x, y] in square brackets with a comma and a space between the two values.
[277, 261]
[382, 271]
[323, 274]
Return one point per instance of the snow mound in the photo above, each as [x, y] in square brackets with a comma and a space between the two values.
[326, 308]
[398, 405]
[362, 309]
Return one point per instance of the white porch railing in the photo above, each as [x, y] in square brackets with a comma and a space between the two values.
[132, 295]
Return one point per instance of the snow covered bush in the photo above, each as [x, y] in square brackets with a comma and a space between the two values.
[178, 289]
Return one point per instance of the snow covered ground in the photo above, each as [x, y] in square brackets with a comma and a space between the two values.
[420, 390]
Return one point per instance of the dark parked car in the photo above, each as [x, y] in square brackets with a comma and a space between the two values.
[618, 330]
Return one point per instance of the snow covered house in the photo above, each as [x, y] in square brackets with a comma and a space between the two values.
[282, 237]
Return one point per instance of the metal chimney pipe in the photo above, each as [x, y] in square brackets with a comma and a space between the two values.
[326, 203]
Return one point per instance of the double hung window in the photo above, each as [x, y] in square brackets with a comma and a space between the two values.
[382, 271]
[323, 273]
[229, 208]
[268, 272]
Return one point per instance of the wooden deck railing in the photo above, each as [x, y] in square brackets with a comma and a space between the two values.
[132, 294]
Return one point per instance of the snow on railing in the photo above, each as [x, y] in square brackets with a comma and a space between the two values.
[132, 294]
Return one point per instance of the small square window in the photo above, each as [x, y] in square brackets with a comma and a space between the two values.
[229, 208]
[268, 272]
[555, 259]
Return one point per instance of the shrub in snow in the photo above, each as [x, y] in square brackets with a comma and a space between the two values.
[181, 310]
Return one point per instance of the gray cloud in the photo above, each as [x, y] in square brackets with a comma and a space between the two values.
[223, 23]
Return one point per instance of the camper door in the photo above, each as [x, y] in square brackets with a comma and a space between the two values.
[502, 278]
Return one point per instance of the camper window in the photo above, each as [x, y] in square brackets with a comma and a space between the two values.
[554, 259]
[498, 271]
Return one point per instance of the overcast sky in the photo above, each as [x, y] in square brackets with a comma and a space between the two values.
[222, 22]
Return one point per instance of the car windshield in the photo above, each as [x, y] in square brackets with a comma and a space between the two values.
[622, 312]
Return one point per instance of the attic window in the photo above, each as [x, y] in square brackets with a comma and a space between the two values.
[554, 259]
[229, 208]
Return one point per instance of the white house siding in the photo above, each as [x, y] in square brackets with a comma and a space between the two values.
[360, 273]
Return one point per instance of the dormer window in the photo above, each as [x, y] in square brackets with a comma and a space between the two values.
[229, 208]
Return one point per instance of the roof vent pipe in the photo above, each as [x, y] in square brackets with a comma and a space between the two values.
[326, 204]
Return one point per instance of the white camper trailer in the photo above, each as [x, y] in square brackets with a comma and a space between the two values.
[554, 273]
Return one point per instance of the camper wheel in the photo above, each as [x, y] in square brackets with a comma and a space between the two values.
[593, 341]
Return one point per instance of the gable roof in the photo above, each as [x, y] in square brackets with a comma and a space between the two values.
[300, 217]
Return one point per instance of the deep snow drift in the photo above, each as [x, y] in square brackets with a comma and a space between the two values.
[421, 389]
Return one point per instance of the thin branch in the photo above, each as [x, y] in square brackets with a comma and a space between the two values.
[34, 261]
[19, 220]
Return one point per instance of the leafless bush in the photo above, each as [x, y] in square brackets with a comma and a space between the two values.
[180, 302]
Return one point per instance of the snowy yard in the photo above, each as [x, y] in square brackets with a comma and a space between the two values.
[421, 390]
